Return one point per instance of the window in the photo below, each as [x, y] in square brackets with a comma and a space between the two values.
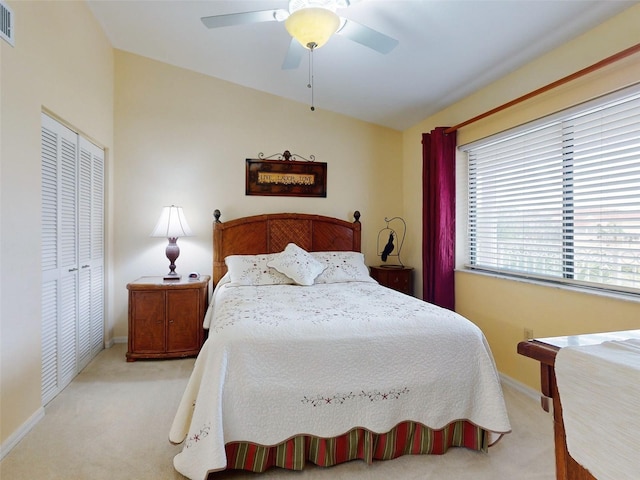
[559, 199]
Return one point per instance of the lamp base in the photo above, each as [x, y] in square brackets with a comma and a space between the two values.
[173, 252]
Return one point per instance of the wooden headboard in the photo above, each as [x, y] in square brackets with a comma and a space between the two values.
[270, 233]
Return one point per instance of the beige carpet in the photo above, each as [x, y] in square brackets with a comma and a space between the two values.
[112, 423]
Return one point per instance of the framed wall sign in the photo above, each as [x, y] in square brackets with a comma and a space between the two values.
[287, 178]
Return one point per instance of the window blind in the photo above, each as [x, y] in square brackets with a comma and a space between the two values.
[560, 199]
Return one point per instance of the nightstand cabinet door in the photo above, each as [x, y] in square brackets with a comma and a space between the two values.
[184, 322]
[147, 332]
[165, 317]
[400, 278]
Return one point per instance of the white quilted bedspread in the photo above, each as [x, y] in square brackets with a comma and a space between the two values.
[599, 388]
[282, 360]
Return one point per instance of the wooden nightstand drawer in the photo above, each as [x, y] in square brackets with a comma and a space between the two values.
[398, 278]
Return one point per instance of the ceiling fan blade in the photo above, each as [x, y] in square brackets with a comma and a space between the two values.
[294, 55]
[368, 37]
[243, 18]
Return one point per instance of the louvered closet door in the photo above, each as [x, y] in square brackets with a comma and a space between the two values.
[97, 250]
[72, 308]
[59, 257]
[90, 252]
[50, 271]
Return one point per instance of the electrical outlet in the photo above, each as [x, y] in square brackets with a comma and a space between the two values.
[528, 333]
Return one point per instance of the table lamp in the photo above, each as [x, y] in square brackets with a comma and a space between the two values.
[171, 225]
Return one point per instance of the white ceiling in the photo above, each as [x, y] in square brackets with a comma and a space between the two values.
[447, 48]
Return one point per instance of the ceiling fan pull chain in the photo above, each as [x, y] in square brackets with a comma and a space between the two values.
[311, 46]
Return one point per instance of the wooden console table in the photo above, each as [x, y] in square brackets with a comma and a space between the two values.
[544, 350]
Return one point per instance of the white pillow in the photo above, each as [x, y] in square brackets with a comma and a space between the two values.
[253, 270]
[297, 264]
[342, 267]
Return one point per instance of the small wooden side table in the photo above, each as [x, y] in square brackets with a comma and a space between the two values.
[396, 277]
[544, 350]
[165, 317]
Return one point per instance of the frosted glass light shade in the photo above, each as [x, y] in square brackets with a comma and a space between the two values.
[172, 224]
[312, 26]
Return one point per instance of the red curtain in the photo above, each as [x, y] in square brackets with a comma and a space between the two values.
[438, 216]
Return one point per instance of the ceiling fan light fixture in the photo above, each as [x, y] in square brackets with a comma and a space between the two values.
[312, 26]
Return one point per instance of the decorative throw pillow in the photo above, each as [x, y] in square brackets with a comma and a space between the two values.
[253, 270]
[342, 267]
[297, 264]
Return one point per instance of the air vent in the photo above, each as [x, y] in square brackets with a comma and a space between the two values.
[6, 23]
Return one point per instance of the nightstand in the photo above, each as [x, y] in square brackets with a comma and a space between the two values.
[396, 277]
[165, 317]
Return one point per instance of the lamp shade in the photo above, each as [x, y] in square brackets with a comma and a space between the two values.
[312, 26]
[172, 224]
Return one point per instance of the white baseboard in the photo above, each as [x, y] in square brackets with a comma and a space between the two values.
[20, 433]
[520, 387]
[111, 342]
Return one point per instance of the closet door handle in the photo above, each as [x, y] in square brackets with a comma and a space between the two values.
[86, 266]
[74, 269]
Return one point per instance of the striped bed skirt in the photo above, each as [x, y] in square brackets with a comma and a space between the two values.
[407, 438]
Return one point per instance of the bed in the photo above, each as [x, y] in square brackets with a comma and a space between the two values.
[308, 359]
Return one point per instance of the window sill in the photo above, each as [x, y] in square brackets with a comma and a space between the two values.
[628, 297]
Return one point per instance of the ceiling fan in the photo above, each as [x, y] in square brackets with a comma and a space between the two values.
[310, 23]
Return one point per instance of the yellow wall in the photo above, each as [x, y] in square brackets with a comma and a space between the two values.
[62, 62]
[503, 308]
[182, 138]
